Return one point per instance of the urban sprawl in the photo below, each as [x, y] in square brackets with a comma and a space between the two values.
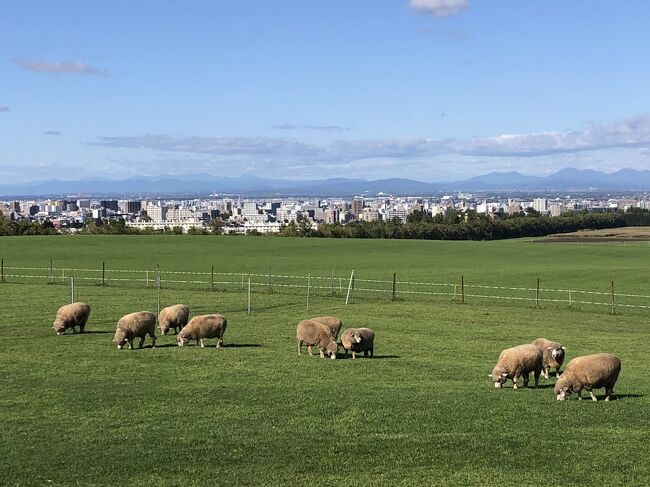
[268, 215]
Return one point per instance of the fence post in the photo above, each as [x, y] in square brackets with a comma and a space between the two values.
[147, 277]
[347, 298]
[270, 288]
[71, 289]
[341, 285]
[537, 294]
[51, 272]
[249, 294]
[570, 298]
[103, 273]
[455, 288]
[2, 270]
[308, 288]
[613, 300]
[212, 279]
[332, 283]
[394, 286]
[462, 289]
[242, 281]
[157, 296]
[62, 275]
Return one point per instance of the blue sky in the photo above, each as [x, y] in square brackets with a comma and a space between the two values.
[427, 89]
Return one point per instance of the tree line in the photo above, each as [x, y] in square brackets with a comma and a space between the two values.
[453, 225]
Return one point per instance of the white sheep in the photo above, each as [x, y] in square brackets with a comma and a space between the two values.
[589, 372]
[517, 361]
[553, 355]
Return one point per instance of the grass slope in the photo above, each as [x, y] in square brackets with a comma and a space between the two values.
[76, 411]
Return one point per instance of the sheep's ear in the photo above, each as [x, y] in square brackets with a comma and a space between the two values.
[563, 348]
[505, 374]
[549, 348]
[490, 375]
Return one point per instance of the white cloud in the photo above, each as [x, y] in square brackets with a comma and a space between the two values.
[617, 144]
[439, 8]
[66, 67]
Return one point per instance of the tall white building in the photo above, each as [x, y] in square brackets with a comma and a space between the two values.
[540, 204]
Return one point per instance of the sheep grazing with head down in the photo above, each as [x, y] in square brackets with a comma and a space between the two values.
[202, 327]
[313, 333]
[553, 355]
[71, 316]
[175, 317]
[515, 362]
[589, 372]
[135, 325]
[332, 322]
[358, 340]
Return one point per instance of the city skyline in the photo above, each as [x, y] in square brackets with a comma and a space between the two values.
[430, 90]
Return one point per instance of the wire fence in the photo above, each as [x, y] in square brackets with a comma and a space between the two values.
[348, 287]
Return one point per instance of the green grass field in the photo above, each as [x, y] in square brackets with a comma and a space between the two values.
[76, 411]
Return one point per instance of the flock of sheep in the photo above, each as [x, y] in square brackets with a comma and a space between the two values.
[320, 332]
[587, 372]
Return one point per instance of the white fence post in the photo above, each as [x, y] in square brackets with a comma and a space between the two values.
[71, 290]
[249, 294]
[347, 298]
[158, 296]
[308, 288]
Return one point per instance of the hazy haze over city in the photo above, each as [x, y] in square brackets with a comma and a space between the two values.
[434, 90]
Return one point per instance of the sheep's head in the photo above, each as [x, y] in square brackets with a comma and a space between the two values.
[331, 350]
[356, 337]
[499, 377]
[557, 353]
[59, 326]
[119, 339]
[181, 339]
[562, 389]
[164, 328]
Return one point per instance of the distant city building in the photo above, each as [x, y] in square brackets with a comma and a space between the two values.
[540, 204]
[357, 206]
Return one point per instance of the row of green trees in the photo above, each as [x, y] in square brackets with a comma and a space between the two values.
[453, 225]
[471, 226]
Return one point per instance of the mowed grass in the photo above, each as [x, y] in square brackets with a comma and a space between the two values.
[76, 411]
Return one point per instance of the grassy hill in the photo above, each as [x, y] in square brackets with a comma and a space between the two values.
[76, 411]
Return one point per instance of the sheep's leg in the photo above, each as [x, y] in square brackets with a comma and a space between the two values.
[219, 342]
[153, 341]
[580, 394]
[536, 373]
[198, 342]
[608, 392]
[557, 372]
[309, 350]
[81, 328]
[365, 353]
[74, 330]
[372, 352]
[514, 381]
[526, 376]
[354, 355]
[322, 354]
[201, 342]
[130, 340]
[299, 346]
[593, 397]
[141, 342]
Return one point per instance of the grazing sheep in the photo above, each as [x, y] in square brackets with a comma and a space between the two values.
[358, 340]
[133, 325]
[589, 372]
[71, 316]
[313, 333]
[175, 317]
[201, 327]
[516, 361]
[553, 355]
[332, 322]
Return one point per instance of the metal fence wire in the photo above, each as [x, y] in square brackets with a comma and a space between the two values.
[346, 286]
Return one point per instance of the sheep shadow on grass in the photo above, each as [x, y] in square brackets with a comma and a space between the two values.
[342, 356]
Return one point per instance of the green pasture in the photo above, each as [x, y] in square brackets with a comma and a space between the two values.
[76, 411]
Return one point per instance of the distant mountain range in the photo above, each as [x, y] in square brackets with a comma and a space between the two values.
[202, 185]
